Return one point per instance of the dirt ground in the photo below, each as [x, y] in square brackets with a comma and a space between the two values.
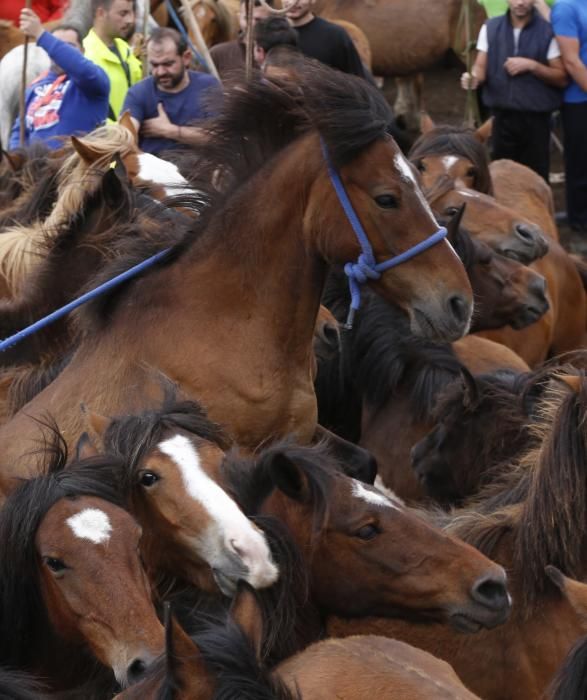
[445, 102]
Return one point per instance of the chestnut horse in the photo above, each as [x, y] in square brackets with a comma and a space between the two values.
[224, 661]
[562, 328]
[512, 521]
[353, 542]
[241, 292]
[165, 464]
[72, 588]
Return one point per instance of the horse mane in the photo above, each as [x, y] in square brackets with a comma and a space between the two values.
[456, 141]
[256, 121]
[546, 485]
[26, 630]
[570, 682]
[131, 437]
[443, 184]
[383, 357]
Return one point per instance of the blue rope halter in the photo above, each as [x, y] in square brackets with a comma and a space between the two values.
[367, 267]
[181, 29]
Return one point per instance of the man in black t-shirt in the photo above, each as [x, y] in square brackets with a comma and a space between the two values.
[323, 40]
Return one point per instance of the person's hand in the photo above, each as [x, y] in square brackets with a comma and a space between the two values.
[518, 65]
[469, 81]
[159, 126]
[30, 24]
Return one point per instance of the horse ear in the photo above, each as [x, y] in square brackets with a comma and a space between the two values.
[126, 121]
[426, 122]
[574, 591]
[470, 389]
[96, 424]
[112, 182]
[288, 477]
[85, 447]
[246, 612]
[484, 132]
[85, 151]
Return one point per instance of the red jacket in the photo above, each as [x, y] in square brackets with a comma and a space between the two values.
[47, 10]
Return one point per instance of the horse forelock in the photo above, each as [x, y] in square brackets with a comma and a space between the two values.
[456, 141]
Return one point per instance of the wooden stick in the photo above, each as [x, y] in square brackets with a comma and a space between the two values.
[21, 101]
[147, 11]
[193, 27]
[249, 37]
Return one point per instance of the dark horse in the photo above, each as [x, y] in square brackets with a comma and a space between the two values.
[229, 315]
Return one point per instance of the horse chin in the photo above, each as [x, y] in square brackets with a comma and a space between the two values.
[439, 329]
[465, 624]
[477, 618]
[226, 584]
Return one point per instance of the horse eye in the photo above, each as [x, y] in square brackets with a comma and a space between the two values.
[472, 172]
[148, 479]
[386, 201]
[420, 166]
[451, 211]
[368, 532]
[56, 565]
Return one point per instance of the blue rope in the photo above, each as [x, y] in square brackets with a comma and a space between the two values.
[179, 24]
[366, 267]
[56, 315]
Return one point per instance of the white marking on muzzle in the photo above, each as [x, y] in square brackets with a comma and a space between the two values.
[238, 534]
[91, 524]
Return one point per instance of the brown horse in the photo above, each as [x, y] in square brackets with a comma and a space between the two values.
[72, 589]
[249, 278]
[165, 464]
[225, 662]
[512, 521]
[352, 540]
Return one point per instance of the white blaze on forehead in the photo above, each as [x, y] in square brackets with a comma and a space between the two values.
[393, 497]
[239, 533]
[449, 161]
[373, 496]
[163, 173]
[404, 167]
[91, 524]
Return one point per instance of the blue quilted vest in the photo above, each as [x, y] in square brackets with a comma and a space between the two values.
[524, 92]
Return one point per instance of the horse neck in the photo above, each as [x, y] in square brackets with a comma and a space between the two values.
[268, 265]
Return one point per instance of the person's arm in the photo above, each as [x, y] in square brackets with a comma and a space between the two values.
[89, 77]
[478, 74]
[543, 9]
[162, 127]
[350, 57]
[571, 58]
[14, 141]
[553, 74]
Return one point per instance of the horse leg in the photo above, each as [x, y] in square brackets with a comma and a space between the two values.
[356, 462]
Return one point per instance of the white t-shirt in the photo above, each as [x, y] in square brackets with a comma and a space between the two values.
[483, 44]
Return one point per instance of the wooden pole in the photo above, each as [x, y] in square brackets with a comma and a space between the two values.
[193, 27]
[249, 37]
[147, 11]
[21, 101]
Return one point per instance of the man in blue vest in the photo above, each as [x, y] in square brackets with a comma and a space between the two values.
[520, 67]
[569, 21]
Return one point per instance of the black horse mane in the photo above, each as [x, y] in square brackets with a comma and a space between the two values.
[257, 120]
[381, 356]
[455, 141]
[26, 633]
[570, 682]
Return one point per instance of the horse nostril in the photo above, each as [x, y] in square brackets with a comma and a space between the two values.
[459, 308]
[538, 286]
[525, 233]
[136, 670]
[491, 592]
[236, 549]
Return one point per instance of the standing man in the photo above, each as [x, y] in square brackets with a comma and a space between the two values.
[231, 55]
[323, 40]
[164, 106]
[569, 20]
[519, 65]
[71, 97]
[105, 44]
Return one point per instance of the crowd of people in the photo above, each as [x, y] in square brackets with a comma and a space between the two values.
[531, 63]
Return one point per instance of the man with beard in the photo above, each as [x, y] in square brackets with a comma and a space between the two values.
[165, 105]
[71, 97]
[105, 45]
